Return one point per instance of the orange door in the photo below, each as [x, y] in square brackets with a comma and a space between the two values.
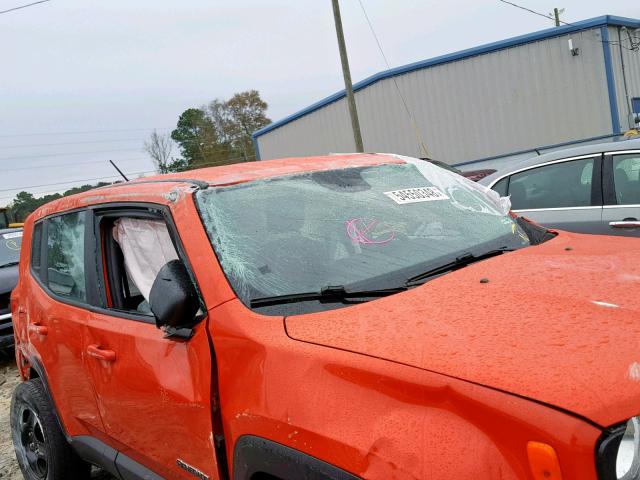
[154, 394]
[58, 338]
[56, 313]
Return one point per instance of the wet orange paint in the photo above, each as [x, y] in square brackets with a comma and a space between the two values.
[452, 379]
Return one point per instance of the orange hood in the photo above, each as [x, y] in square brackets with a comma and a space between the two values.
[558, 322]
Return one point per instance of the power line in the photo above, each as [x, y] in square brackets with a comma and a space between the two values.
[84, 132]
[23, 6]
[548, 17]
[56, 165]
[206, 145]
[7, 198]
[634, 46]
[34, 145]
[73, 181]
[109, 177]
[111, 140]
[22, 157]
[421, 142]
[375, 36]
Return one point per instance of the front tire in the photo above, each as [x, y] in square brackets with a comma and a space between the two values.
[41, 448]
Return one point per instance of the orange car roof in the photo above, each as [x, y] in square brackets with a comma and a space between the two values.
[144, 188]
[249, 171]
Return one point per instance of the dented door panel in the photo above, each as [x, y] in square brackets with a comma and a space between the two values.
[154, 395]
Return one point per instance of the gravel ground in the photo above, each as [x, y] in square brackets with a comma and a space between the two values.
[9, 469]
[8, 380]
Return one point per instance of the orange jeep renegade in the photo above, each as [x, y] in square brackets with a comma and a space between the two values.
[341, 317]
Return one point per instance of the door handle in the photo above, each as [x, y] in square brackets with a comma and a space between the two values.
[96, 351]
[626, 223]
[38, 329]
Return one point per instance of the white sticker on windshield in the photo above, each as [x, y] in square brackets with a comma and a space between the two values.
[7, 236]
[414, 195]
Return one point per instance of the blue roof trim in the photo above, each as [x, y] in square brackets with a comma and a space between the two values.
[471, 52]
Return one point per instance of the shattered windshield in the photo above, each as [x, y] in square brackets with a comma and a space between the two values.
[367, 226]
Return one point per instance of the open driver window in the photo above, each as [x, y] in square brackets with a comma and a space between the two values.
[134, 249]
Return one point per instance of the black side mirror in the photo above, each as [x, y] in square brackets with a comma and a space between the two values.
[173, 298]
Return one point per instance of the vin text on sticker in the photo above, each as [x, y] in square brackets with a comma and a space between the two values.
[413, 195]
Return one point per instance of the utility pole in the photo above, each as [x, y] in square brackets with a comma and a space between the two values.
[353, 112]
[556, 14]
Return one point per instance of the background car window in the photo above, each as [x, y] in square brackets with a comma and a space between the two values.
[65, 255]
[626, 176]
[501, 187]
[560, 185]
[36, 249]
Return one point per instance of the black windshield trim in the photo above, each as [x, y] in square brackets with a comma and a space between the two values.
[329, 294]
[459, 262]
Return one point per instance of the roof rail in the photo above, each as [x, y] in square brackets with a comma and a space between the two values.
[200, 184]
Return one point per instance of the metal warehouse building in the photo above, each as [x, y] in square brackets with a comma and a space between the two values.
[555, 87]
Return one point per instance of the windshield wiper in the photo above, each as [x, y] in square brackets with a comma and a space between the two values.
[459, 262]
[8, 264]
[328, 294]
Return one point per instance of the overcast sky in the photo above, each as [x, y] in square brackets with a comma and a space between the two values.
[85, 81]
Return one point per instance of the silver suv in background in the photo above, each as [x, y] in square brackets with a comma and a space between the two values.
[588, 189]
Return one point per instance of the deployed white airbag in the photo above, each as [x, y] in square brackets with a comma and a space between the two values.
[146, 246]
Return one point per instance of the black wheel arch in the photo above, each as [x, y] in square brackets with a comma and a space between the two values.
[258, 458]
[38, 371]
[59, 458]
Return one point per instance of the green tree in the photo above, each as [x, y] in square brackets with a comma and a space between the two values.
[25, 203]
[216, 134]
[197, 139]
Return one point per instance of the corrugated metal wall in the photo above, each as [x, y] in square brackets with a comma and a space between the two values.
[631, 61]
[492, 104]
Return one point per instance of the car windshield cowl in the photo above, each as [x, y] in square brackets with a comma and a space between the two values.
[358, 294]
[334, 293]
[418, 273]
[459, 262]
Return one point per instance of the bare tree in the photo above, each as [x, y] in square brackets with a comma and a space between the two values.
[159, 148]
